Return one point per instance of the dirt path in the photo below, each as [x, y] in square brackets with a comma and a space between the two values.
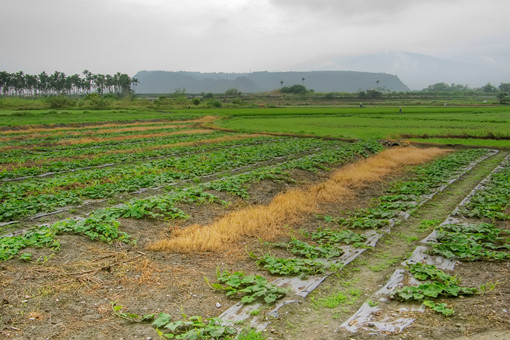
[340, 296]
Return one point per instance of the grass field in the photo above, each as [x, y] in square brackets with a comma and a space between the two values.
[380, 123]
[53, 117]
[431, 124]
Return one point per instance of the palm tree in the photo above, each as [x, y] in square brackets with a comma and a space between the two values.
[5, 82]
[109, 83]
[88, 81]
[19, 82]
[31, 84]
[100, 82]
[125, 84]
[43, 82]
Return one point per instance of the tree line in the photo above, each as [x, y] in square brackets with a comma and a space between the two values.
[58, 83]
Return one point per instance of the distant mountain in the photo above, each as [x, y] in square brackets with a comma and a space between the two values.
[320, 81]
[418, 70]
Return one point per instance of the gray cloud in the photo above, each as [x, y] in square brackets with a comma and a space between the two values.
[358, 7]
[236, 35]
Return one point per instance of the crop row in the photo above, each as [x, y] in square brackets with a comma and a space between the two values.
[188, 164]
[493, 200]
[165, 206]
[459, 238]
[469, 238]
[112, 159]
[325, 250]
[61, 139]
[406, 196]
[92, 128]
[76, 151]
[40, 194]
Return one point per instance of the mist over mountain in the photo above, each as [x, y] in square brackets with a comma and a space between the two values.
[418, 71]
[320, 81]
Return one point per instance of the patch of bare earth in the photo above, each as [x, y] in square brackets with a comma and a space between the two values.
[69, 294]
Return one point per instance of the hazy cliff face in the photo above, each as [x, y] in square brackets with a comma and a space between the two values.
[320, 81]
[419, 71]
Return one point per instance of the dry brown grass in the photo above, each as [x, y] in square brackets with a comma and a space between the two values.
[205, 119]
[290, 207]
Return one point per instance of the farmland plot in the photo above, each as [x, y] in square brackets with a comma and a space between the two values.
[108, 229]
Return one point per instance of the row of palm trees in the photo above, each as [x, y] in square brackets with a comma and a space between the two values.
[58, 83]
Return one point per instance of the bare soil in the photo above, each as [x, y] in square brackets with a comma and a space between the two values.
[69, 294]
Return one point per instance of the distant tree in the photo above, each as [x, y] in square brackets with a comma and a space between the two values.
[281, 83]
[232, 92]
[438, 87]
[374, 94]
[329, 96]
[76, 83]
[502, 98]
[100, 82]
[489, 88]
[178, 93]
[125, 84]
[87, 82]
[296, 89]
[444, 87]
[22, 84]
[504, 87]
[31, 84]
[109, 83]
[505, 90]
[4, 82]
[19, 82]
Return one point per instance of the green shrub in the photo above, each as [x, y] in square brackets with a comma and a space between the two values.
[60, 101]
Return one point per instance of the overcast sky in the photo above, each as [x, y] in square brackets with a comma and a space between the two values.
[108, 36]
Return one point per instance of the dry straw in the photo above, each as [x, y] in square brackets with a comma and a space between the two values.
[267, 221]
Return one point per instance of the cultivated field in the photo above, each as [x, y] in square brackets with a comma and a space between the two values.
[447, 125]
[164, 226]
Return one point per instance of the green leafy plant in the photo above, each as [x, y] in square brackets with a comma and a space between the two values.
[334, 236]
[472, 242]
[309, 251]
[249, 288]
[290, 266]
[439, 284]
[117, 310]
[441, 308]
[493, 200]
[25, 257]
[192, 328]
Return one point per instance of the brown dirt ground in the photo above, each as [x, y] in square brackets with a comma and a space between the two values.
[69, 294]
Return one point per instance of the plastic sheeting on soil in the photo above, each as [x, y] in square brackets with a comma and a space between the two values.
[300, 288]
[391, 319]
